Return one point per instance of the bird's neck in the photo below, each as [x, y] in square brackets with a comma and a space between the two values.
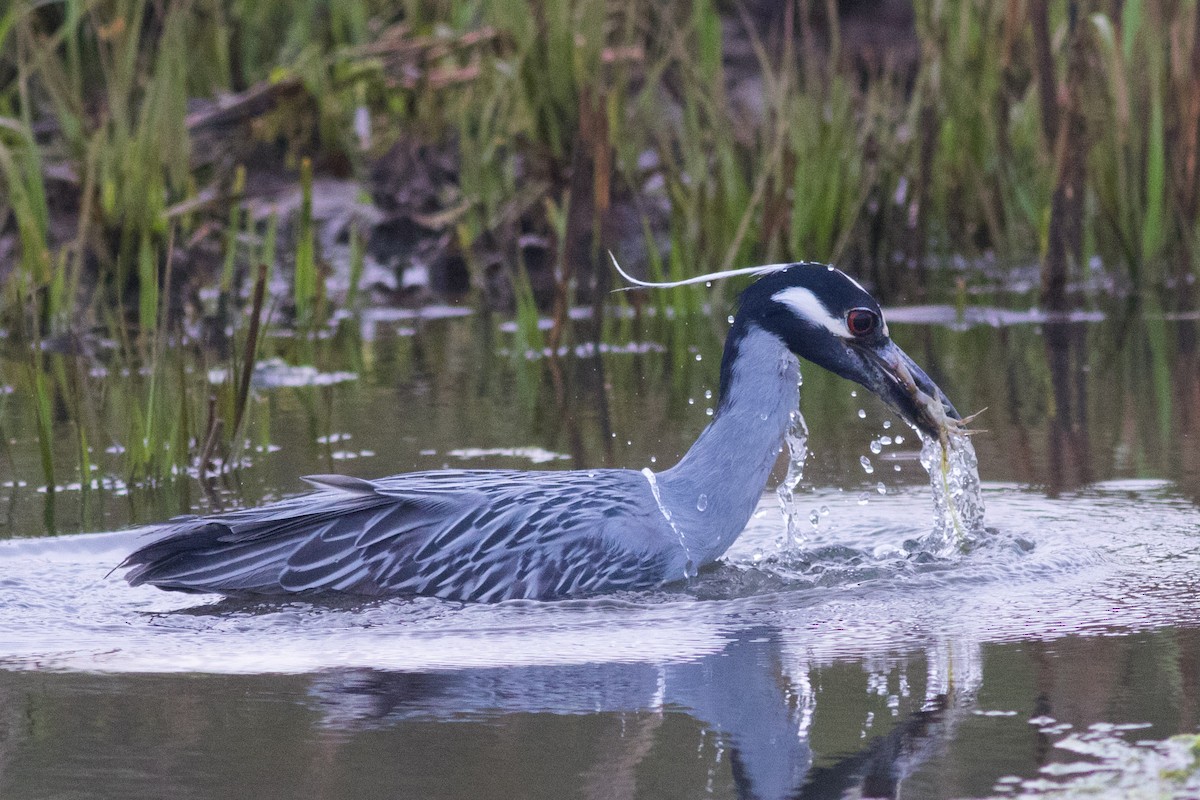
[711, 493]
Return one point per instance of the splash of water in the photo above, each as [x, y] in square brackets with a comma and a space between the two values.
[797, 444]
[957, 495]
[689, 567]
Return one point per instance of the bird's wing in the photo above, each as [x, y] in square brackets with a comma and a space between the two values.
[468, 535]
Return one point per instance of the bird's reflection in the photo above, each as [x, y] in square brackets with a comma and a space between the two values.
[757, 698]
[879, 769]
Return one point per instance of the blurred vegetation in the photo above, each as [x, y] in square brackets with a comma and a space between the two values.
[813, 150]
[696, 135]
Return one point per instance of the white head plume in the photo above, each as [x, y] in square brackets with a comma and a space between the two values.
[712, 276]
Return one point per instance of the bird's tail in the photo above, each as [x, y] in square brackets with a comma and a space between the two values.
[242, 552]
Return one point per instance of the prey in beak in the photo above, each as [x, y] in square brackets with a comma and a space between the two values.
[891, 375]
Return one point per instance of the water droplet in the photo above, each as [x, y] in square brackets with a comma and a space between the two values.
[629, 443]
[729, 319]
[708, 394]
[702, 502]
[708, 411]
[876, 446]
[864, 498]
[895, 467]
[691, 401]
[763, 416]
[815, 518]
[885, 440]
[899, 439]
[653, 459]
[866, 464]
[824, 511]
[699, 357]
[862, 413]
[879, 487]
[757, 555]
[708, 284]
[887, 423]
[854, 392]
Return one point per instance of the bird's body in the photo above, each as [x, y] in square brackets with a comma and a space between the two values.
[480, 535]
[490, 535]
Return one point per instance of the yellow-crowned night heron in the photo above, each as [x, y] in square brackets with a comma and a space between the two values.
[489, 535]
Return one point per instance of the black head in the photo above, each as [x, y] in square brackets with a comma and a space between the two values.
[824, 316]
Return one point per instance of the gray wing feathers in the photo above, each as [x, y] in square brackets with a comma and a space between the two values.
[482, 536]
[243, 551]
[344, 483]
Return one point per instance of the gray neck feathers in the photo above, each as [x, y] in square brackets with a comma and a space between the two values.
[714, 489]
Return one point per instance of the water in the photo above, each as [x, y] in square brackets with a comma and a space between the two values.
[1058, 653]
[958, 507]
[689, 569]
[796, 444]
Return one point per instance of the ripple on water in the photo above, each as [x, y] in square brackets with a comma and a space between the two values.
[1111, 558]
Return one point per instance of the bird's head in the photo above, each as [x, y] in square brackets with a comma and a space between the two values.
[824, 316]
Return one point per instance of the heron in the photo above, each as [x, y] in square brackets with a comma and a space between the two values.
[493, 535]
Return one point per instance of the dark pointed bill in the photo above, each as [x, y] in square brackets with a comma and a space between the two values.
[898, 381]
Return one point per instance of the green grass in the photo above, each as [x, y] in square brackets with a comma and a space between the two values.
[304, 280]
[945, 156]
[828, 169]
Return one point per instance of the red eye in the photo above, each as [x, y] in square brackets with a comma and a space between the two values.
[861, 321]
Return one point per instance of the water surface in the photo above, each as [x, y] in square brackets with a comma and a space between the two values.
[1060, 655]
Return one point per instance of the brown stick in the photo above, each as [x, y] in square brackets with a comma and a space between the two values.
[1065, 239]
[256, 308]
[1039, 17]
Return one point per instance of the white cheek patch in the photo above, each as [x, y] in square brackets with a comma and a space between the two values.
[808, 307]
